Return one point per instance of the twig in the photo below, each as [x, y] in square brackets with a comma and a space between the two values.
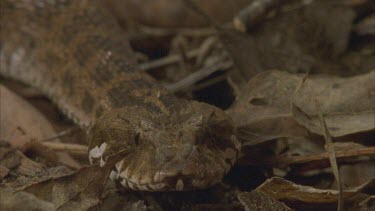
[278, 160]
[209, 82]
[28, 166]
[171, 59]
[332, 156]
[325, 155]
[198, 75]
[259, 10]
[235, 86]
[61, 134]
[210, 21]
[71, 148]
[254, 13]
[180, 44]
[175, 58]
[205, 48]
[189, 32]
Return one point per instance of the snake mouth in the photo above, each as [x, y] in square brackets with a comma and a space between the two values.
[180, 175]
[175, 184]
[192, 149]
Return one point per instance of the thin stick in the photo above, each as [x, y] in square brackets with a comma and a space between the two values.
[332, 156]
[205, 48]
[171, 59]
[209, 82]
[367, 151]
[61, 134]
[254, 13]
[71, 148]
[198, 75]
[325, 155]
[189, 32]
[199, 11]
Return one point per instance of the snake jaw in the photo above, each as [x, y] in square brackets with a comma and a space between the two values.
[194, 172]
[191, 149]
[126, 109]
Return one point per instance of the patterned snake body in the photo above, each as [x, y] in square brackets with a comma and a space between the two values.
[75, 53]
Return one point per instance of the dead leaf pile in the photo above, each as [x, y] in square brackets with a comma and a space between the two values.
[23, 126]
[297, 78]
[276, 104]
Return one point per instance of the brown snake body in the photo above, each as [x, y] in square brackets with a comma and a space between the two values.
[74, 52]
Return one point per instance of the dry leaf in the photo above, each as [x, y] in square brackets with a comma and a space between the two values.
[285, 190]
[299, 38]
[10, 201]
[127, 201]
[78, 191]
[15, 161]
[346, 103]
[367, 204]
[366, 26]
[256, 200]
[3, 171]
[263, 110]
[167, 13]
[21, 123]
[355, 174]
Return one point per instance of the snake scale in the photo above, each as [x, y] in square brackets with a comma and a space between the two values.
[76, 54]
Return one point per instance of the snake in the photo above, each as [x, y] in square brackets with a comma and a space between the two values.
[75, 53]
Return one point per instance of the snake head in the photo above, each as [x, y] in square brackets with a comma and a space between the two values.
[190, 148]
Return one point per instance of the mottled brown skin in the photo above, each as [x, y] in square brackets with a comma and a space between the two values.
[77, 55]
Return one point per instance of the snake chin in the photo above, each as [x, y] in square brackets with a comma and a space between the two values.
[195, 171]
[155, 186]
[175, 184]
[191, 149]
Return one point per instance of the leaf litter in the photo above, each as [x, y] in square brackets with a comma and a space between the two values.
[256, 75]
[270, 107]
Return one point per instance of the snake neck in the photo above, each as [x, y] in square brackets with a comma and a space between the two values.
[75, 53]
